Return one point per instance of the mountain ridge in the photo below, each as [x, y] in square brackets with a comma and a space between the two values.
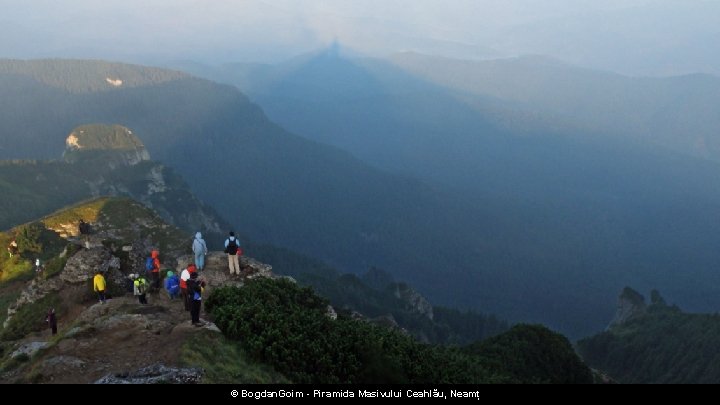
[148, 338]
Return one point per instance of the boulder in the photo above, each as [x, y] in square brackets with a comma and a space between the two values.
[155, 374]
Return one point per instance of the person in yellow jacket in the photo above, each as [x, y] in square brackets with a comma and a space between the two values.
[99, 286]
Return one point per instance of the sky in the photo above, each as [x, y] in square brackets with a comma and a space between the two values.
[639, 37]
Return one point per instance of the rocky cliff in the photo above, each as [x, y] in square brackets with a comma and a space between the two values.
[90, 141]
[102, 160]
[120, 341]
[631, 304]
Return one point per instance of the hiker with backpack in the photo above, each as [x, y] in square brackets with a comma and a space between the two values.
[152, 266]
[184, 278]
[233, 250]
[200, 250]
[140, 288]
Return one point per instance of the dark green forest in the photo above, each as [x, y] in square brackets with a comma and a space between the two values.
[288, 327]
[662, 346]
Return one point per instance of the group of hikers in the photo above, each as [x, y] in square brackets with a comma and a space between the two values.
[187, 286]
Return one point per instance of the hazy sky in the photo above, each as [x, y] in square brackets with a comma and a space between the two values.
[632, 36]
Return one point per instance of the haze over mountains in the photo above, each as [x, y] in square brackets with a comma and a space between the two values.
[539, 157]
[636, 37]
[521, 158]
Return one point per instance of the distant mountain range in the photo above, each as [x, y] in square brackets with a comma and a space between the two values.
[109, 160]
[571, 182]
[477, 200]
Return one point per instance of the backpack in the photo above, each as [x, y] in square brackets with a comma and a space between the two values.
[200, 244]
[141, 286]
[149, 264]
[232, 247]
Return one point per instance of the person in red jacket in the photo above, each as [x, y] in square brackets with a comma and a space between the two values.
[184, 277]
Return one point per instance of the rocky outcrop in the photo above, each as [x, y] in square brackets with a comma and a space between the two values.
[126, 148]
[631, 304]
[415, 302]
[331, 313]
[36, 290]
[80, 268]
[29, 349]
[155, 374]
[249, 267]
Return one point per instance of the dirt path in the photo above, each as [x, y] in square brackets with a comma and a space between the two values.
[122, 335]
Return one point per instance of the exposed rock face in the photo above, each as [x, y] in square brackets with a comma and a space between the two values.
[29, 349]
[155, 374]
[331, 313]
[631, 304]
[82, 266]
[249, 267]
[416, 302]
[37, 289]
[126, 148]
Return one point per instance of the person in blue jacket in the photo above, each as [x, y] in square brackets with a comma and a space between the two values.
[172, 285]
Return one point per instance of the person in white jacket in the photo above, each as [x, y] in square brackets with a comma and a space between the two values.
[200, 250]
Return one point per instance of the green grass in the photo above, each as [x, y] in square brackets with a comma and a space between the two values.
[21, 270]
[14, 362]
[9, 293]
[31, 318]
[225, 362]
[86, 210]
[131, 220]
[106, 137]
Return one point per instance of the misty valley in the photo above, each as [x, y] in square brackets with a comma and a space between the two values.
[413, 203]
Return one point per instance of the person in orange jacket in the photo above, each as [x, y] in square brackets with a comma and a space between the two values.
[156, 270]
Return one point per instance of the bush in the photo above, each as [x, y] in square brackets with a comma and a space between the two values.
[286, 326]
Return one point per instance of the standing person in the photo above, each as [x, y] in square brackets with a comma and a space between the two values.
[155, 272]
[99, 286]
[195, 296]
[172, 285]
[13, 248]
[233, 250]
[199, 247]
[140, 289]
[52, 321]
[184, 278]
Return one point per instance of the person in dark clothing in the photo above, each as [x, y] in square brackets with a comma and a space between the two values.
[194, 287]
[52, 320]
[184, 278]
